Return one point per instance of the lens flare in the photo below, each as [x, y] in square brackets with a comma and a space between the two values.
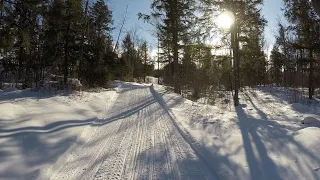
[225, 20]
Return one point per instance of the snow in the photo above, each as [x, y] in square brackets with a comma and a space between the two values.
[9, 89]
[299, 107]
[121, 134]
[263, 138]
[37, 128]
[74, 81]
[143, 131]
[152, 80]
[310, 120]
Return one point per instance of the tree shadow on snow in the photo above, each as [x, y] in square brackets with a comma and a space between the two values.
[259, 132]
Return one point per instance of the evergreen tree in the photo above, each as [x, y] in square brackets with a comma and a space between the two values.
[277, 60]
[128, 57]
[176, 21]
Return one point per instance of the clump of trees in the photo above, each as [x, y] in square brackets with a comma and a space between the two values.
[69, 38]
[184, 28]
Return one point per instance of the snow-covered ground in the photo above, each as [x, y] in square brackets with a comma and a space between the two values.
[121, 134]
[264, 138]
[36, 128]
[147, 132]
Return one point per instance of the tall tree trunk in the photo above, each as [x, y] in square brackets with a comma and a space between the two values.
[66, 56]
[176, 63]
[82, 38]
[175, 46]
[158, 58]
[145, 65]
[311, 83]
[176, 72]
[236, 62]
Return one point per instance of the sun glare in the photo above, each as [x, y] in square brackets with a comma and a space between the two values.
[225, 20]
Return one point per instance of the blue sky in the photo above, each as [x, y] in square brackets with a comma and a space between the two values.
[271, 12]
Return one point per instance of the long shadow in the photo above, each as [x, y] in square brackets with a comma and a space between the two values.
[262, 166]
[61, 125]
[257, 169]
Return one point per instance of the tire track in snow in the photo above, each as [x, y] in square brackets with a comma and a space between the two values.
[115, 155]
[118, 156]
[189, 165]
[111, 168]
[134, 150]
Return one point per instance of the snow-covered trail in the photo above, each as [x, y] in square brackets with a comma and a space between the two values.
[136, 139]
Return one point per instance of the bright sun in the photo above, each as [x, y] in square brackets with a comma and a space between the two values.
[225, 20]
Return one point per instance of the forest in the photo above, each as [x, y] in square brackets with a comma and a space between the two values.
[72, 39]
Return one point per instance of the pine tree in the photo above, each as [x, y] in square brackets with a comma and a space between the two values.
[128, 57]
[277, 61]
[178, 16]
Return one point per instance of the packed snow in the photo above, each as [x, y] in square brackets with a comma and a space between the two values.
[144, 131]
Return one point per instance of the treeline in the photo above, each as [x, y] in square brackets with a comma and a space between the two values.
[69, 38]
